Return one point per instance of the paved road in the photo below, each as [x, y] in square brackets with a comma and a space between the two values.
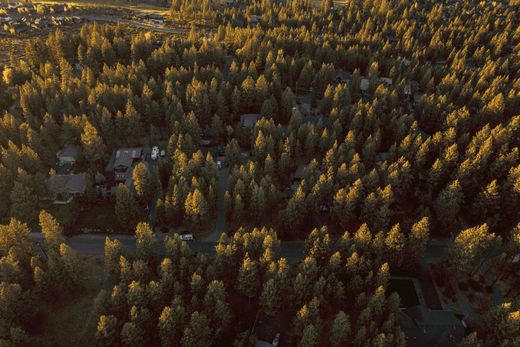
[94, 244]
[136, 24]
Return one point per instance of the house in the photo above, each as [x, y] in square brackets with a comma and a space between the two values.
[425, 327]
[267, 334]
[249, 120]
[239, 23]
[63, 188]
[254, 20]
[68, 155]
[122, 163]
[304, 108]
[342, 76]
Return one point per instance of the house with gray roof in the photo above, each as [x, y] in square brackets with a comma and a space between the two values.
[64, 188]
[249, 120]
[68, 155]
[122, 162]
[425, 327]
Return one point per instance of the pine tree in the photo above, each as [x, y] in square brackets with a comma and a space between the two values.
[113, 252]
[448, 204]
[127, 210]
[93, 146]
[24, 203]
[144, 182]
[286, 106]
[270, 299]
[197, 333]
[52, 231]
[196, 209]
[417, 242]
[467, 251]
[248, 278]
[146, 243]
[340, 330]
[107, 333]
[395, 245]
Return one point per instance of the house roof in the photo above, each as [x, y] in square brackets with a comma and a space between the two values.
[265, 332]
[75, 183]
[126, 156]
[249, 120]
[342, 75]
[425, 327]
[68, 151]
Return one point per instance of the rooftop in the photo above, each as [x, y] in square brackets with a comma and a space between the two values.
[69, 151]
[249, 120]
[67, 184]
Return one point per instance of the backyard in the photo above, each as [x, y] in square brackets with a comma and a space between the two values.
[98, 217]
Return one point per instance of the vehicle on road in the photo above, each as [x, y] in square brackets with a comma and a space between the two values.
[155, 153]
[186, 236]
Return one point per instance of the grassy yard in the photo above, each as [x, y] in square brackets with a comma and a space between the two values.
[100, 216]
[74, 324]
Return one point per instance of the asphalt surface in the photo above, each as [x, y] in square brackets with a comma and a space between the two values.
[110, 19]
[94, 245]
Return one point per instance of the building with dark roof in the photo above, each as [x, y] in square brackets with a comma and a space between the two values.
[424, 327]
[122, 162]
[249, 120]
[63, 188]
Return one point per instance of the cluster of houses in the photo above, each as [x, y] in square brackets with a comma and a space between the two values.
[66, 185]
[19, 18]
[150, 18]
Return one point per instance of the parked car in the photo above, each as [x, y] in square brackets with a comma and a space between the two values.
[155, 153]
[186, 236]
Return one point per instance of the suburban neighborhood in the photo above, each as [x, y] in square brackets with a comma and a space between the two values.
[247, 173]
